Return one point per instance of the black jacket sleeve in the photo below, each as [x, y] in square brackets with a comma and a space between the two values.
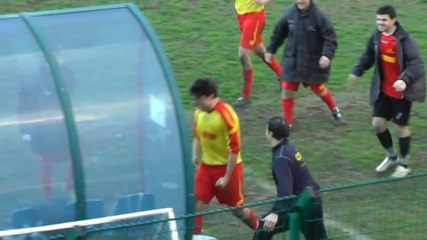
[284, 182]
[279, 35]
[330, 38]
[412, 57]
[366, 60]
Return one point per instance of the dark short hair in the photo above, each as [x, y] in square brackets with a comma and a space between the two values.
[203, 87]
[279, 127]
[387, 10]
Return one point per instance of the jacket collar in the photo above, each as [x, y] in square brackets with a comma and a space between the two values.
[399, 33]
[279, 145]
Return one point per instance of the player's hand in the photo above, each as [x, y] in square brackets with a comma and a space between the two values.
[352, 79]
[261, 2]
[270, 222]
[399, 85]
[268, 57]
[26, 138]
[221, 182]
[324, 62]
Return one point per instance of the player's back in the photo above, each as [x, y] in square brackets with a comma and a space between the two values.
[247, 6]
[300, 173]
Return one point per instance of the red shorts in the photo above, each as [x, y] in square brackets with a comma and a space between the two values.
[251, 26]
[205, 189]
[293, 86]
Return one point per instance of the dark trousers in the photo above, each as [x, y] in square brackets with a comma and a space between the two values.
[312, 226]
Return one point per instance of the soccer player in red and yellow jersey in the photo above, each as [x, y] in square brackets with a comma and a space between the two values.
[251, 18]
[217, 141]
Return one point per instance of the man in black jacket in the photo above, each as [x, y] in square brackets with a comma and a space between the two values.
[310, 47]
[42, 123]
[291, 175]
[398, 80]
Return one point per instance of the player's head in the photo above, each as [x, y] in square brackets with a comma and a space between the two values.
[277, 128]
[386, 18]
[204, 93]
[302, 4]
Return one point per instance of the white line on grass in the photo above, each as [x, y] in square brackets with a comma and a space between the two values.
[354, 234]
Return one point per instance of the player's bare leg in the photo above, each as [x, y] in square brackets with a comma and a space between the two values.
[244, 55]
[248, 216]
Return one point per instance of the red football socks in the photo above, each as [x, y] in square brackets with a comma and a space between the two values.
[46, 176]
[288, 110]
[275, 66]
[247, 82]
[329, 100]
[198, 223]
[252, 221]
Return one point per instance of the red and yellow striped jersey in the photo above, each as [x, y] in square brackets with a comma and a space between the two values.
[218, 132]
[247, 6]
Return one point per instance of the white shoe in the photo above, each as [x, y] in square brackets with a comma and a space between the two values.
[400, 172]
[385, 164]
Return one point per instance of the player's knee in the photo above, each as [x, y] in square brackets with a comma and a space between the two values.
[199, 205]
[244, 52]
[378, 125]
[322, 94]
[319, 89]
[260, 52]
[239, 213]
[246, 62]
[403, 131]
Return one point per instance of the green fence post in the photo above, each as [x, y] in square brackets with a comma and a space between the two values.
[303, 204]
[294, 225]
[76, 233]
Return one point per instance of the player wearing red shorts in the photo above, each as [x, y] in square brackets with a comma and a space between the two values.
[43, 127]
[217, 140]
[251, 18]
[309, 50]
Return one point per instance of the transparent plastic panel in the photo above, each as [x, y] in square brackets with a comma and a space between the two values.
[123, 108]
[35, 158]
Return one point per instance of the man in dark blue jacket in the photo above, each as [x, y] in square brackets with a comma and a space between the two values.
[291, 175]
[310, 47]
[398, 80]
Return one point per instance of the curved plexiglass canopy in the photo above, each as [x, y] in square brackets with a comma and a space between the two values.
[90, 113]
